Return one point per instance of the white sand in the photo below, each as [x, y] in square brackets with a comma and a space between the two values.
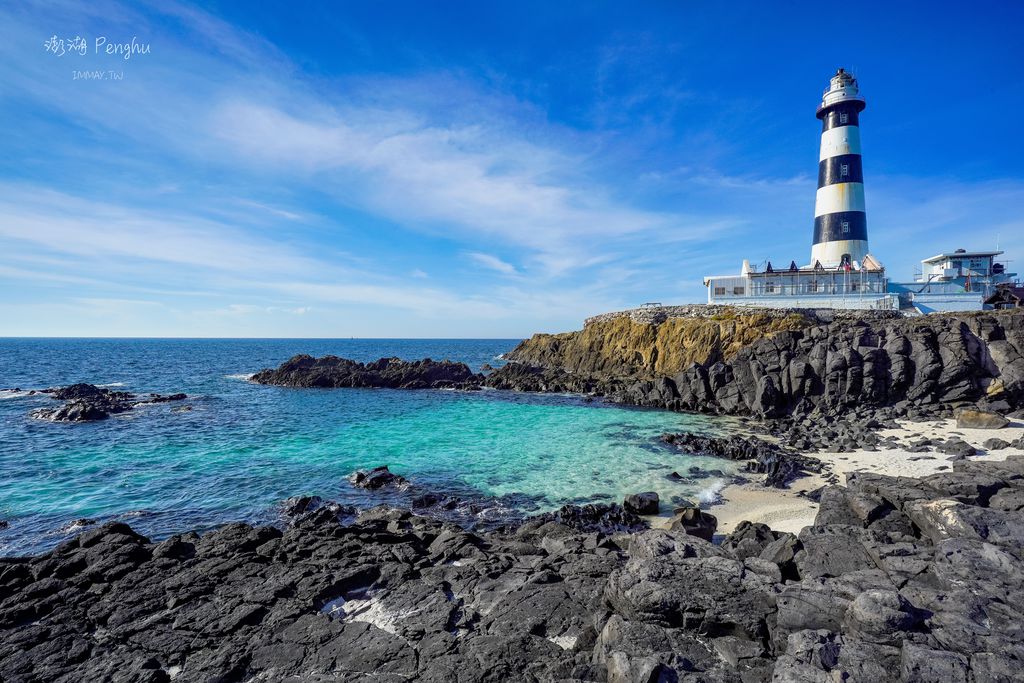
[784, 510]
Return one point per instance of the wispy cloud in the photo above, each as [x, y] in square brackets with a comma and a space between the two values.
[492, 262]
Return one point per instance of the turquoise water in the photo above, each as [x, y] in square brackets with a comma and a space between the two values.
[244, 447]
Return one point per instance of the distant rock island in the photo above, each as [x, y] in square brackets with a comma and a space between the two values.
[392, 373]
[88, 403]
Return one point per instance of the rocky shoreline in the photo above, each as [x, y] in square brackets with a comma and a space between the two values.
[898, 579]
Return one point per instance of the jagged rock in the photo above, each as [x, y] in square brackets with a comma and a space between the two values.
[377, 478]
[881, 616]
[942, 519]
[645, 503]
[567, 596]
[779, 466]
[768, 362]
[957, 447]
[970, 488]
[695, 522]
[920, 664]
[748, 539]
[607, 519]
[89, 403]
[967, 418]
[393, 373]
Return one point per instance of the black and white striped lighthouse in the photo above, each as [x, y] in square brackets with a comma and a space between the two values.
[840, 226]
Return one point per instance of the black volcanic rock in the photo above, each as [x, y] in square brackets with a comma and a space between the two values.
[392, 373]
[778, 464]
[599, 517]
[695, 522]
[377, 478]
[521, 377]
[921, 368]
[645, 503]
[566, 596]
[88, 403]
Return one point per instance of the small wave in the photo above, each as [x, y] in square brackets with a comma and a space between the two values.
[712, 493]
[241, 375]
[15, 393]
[112, 384]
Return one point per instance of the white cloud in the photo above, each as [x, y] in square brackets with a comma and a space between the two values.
[492, 262]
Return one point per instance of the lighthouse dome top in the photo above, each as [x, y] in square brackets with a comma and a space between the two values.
[841, 88]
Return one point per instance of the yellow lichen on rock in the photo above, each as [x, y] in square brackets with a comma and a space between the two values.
[624, 346]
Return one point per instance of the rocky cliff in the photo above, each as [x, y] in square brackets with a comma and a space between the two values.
[773, 363]
[653, 342]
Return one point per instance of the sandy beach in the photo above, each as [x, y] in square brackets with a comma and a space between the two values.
[787, 510]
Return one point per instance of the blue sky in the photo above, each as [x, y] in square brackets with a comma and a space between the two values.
[468, 169]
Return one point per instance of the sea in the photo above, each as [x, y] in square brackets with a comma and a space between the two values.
[242, 448]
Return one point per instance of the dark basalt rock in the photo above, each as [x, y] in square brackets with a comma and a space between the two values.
[694, 522]
[158, 398]
[391, 373]
[602, 518]
[646, 503]
[918, 368]
[377, 478]
[779, 465]
[995, 444]
[88, 403]
[567, 596]
[520, 377]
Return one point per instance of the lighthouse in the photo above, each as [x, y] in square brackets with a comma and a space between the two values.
[840, 226]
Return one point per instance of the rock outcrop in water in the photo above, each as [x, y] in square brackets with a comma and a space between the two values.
[739, 363]
[779, 465]
[87, 403]
[391, 373]
[899, 580]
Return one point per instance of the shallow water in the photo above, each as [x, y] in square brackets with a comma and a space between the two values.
[245, 447]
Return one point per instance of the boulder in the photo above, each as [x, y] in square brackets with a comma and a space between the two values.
[881, 616]
[645, 503]
[694, 522]
[968, 418]
[377, 478]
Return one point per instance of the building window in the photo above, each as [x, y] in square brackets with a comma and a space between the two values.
[846, 227]
[738, 291]
[719, 291]
[853, 286]
[769, 288]
[844, 170]
[843, 117]
[812, 287]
